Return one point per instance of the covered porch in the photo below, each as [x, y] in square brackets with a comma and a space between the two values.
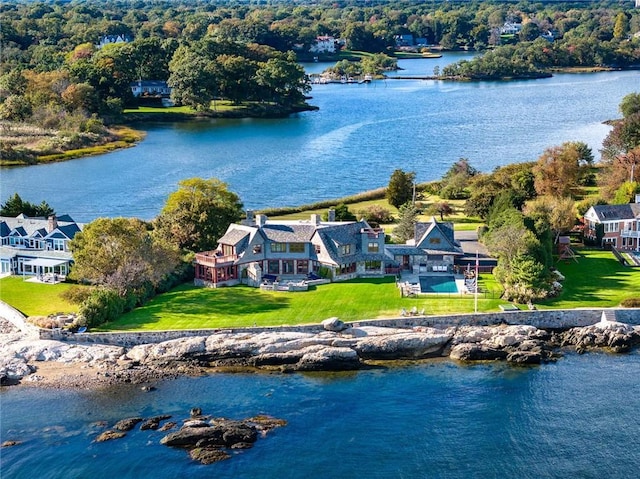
[45, 270]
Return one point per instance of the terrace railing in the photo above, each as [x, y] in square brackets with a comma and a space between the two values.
[211, 258]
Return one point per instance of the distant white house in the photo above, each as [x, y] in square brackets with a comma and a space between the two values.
[510, 28]
[323, 44]
[154, 88]
[109, 39]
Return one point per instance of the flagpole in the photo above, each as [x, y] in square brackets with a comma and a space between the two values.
[476, 293]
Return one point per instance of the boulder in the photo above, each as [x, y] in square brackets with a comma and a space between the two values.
[153, 422]
[476, 352]
[406, 345]
[225, 433]
[208, 455]
[524, 357]
[329, 359]
[127, 424]
[333, 324]
[110, 435]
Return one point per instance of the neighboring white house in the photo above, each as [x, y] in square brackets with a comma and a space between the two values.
[156, 88]
[324, 44]
[36, 246]
[511, 28]
[109, 39]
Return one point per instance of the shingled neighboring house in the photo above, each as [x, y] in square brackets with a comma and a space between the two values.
[36, 246]
[261, 249]
[615, 225]
[433, 248]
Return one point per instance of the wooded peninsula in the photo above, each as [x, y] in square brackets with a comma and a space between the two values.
[72, 71]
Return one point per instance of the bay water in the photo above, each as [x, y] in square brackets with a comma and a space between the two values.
[576, 418]
[434, 419]
[353, 143]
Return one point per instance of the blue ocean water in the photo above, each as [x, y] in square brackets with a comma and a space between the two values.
[437, 419]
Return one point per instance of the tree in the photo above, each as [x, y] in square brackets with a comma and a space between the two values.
[400, 188]
[198, 213]
[630, 105]
[455, 181]
[558, 169]
[405, 229]
[621, 26]
[442, 208]
[341, 213]
[15, 206]
[121, 254]
[375, 215]
[554, 213]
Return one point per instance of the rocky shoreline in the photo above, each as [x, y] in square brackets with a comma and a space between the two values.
[339, 347]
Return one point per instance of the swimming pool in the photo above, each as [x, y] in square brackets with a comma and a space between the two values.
[438, 284]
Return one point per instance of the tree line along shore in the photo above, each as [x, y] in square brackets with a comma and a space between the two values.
[68, 70]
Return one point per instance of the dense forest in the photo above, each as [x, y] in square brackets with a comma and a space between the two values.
[68, 67]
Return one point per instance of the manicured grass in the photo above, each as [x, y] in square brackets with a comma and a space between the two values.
[35, 299]
[188, 307]
[597, 280]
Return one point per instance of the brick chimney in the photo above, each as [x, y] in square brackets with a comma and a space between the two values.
[332, 215]
[52, 223]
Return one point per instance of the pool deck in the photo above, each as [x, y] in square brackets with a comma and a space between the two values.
[413, 282]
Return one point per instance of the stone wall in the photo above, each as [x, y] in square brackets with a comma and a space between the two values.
[16, 318]
[546, 319]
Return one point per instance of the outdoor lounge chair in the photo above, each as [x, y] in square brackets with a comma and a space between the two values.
[403, 312]
[81, 330]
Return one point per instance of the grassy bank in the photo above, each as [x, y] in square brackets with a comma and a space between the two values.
[35, 299]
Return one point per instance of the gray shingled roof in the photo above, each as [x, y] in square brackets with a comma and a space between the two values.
[233, 236]
[616, 212]
[334, 236]
[288, 233]
[27, 226]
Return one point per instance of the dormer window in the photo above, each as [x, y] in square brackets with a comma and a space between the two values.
[345, 249]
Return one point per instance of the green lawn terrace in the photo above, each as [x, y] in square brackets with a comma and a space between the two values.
[191, 307]
[595, 280]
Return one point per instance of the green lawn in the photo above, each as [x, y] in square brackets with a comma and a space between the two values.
[188, 307]
[597, 280]
[35, 299]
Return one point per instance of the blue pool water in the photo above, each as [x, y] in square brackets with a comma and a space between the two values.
[438, 284]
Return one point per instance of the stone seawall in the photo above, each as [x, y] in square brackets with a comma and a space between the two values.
[546, 319]
[16, 318]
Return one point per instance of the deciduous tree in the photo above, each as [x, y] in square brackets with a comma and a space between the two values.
[121, 254]
[198, 213]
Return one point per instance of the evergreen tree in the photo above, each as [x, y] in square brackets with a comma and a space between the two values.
[400, 189]
[405, 230]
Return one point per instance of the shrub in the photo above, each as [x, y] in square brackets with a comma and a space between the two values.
[77, 294]
[101, 306]
[631, 303]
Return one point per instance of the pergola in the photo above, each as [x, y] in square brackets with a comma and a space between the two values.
[43, 266]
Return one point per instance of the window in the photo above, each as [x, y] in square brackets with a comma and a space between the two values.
[434, 240]
[610, 227]
[302, 267]
[372, 265]
[274, 267]
[373, 247]
[347, 268]
[296, 247]
[345, 249]
[257, 249]
[316, 248]
[287, 266]
[58, 245]
[278, 247]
